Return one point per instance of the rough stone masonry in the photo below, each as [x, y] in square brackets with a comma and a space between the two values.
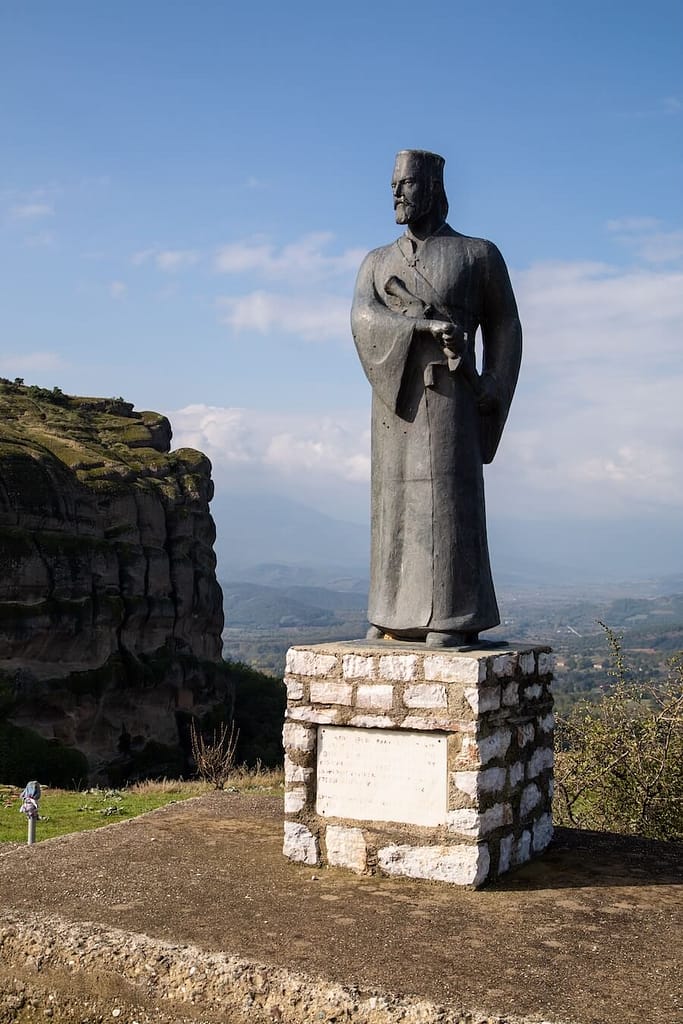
[403, 761]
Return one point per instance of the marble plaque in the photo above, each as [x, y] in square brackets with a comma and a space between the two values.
[382, 775]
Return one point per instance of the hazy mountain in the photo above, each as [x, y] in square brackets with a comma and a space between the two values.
[274, 541]
[573, 551]
[253, 529]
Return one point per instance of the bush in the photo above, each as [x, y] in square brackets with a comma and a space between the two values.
[619, 763]
[260, 703]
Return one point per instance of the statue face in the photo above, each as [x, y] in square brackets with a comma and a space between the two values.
[411, 189]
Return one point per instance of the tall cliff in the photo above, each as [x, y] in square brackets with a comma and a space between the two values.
[110, 612]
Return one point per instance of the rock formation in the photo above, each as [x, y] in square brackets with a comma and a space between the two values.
[110, 612]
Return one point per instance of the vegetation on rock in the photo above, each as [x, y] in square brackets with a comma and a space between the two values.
[110, 612]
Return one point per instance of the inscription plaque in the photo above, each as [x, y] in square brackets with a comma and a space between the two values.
[382, 775]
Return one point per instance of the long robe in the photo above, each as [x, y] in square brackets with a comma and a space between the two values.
[430, 566]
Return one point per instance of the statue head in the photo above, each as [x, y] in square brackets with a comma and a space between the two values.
[417, 187]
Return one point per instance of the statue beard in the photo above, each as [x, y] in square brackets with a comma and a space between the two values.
[404, 212]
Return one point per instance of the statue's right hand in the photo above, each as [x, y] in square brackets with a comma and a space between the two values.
[442, 330]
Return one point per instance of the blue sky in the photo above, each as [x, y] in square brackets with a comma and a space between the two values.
[187, 189]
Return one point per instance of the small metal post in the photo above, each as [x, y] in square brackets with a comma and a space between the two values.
[29, 807]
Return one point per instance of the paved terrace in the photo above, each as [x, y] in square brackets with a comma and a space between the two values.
[589, 934]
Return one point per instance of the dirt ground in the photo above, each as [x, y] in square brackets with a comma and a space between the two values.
[589, 933]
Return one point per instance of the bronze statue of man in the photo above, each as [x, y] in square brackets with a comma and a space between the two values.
[435, 419]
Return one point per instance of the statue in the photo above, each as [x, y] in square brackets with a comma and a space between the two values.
[435, 420]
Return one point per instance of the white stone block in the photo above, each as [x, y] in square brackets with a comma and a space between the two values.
[295, 772]
[492, 780]
[306, 714]
[331, 693]
[295, 688]
[300, 844]
[465, 821]
[533, 692]
[372, 722]
[547, 723]
[460, 865]
[306, 663]
[504, 665]
[295, 800]
[541, 759]
[483, 698]
[546, 664]
[516, 773]
[379, 696]
[511, 695]
[425, 695]
[298, 737]
[505, 854]
[525, 734]
[346, 848]
[495, 745]
[531, 797]
[527, 663]
[355, 666]
[495, 817]
[446, 668]
[543, 832]
[401, 668]
[466, 782]
[523, 848]
[422, 722]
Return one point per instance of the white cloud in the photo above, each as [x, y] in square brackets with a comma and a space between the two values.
[40, 240]
[596, 427]
[318, 457]
[31, 211]
[648, 239]
[300, 262]
[167, 260]
[117, 289]
[318, 316]
[628, 225]
[176, 259]
[596, 315]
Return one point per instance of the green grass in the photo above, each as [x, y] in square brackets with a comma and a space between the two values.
[64, 810]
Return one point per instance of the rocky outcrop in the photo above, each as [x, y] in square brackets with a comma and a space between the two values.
[110, 612]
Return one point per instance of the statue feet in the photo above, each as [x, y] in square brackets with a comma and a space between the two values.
[450, 639]
[374, 633]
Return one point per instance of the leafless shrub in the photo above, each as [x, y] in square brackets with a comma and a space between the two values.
[215, 760]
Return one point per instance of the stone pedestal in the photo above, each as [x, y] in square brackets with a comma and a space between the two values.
[406, 761]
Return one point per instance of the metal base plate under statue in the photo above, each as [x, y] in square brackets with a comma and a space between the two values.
[406, 761]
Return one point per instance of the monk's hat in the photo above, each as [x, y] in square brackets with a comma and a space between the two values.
[430, 164]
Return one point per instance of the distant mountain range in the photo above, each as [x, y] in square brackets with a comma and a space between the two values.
[274, 541]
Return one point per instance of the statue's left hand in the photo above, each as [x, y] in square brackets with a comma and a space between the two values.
[488, 398]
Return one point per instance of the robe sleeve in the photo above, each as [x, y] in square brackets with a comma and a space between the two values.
[383, 337]
[502, 347]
